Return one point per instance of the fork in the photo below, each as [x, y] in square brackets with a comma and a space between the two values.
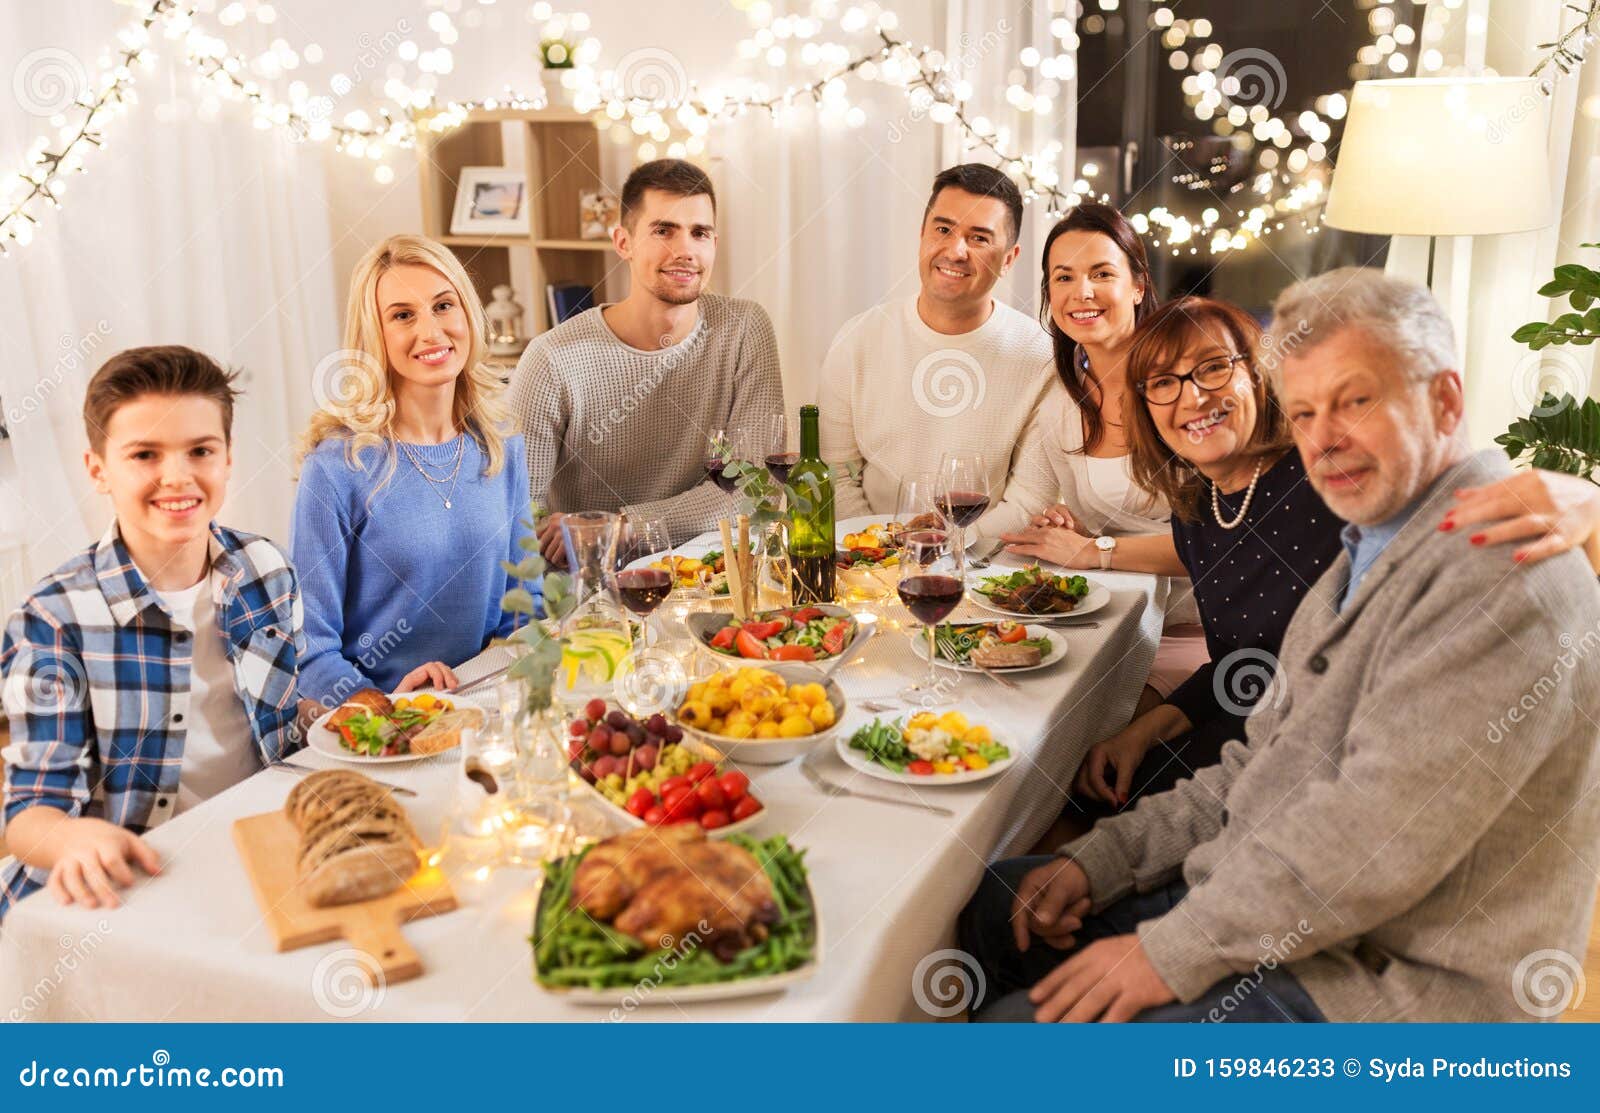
[301, 770]
[982, 562]
[828, 788]
[1003, 681]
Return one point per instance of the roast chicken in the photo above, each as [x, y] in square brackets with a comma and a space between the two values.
[663, 884]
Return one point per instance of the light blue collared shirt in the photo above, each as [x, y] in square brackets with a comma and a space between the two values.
[1365, 544]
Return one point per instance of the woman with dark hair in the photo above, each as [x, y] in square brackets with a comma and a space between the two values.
[1072, 473]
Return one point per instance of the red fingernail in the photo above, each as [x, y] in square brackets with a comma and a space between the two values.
[1477, 539]
[1447, 525]
[1519, 557]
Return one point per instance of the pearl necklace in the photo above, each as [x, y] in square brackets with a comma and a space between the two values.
[1249, 493]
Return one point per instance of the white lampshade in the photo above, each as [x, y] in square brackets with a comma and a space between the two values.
[1443, 156]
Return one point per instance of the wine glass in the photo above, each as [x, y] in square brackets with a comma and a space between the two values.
[775, 448]
[644, 589]
[931, 588]
[720, 452]
[963, 491]
[917, 505]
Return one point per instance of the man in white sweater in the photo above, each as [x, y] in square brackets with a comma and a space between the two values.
[949, 371]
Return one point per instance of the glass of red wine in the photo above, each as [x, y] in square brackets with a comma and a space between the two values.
[931, 588]
[720, 452]
[963, 492]
[775, 449]
[641, 587]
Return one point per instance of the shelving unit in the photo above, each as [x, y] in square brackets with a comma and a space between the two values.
[561, 152]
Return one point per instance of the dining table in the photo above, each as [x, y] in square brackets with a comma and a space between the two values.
[889, 879]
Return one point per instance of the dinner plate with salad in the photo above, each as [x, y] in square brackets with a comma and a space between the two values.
[928, 748]
[1036, 592]
[793, 634]
[991, 646]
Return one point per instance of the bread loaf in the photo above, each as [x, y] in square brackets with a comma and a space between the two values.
[356, 843]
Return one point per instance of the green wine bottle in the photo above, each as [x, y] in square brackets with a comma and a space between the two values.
[811, 554]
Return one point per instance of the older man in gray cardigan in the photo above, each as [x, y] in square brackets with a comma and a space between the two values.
[1409, 831]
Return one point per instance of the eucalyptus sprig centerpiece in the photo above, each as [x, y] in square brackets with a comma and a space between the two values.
[538, 641]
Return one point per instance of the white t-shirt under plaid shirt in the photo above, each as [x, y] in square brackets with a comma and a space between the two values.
[612, 427]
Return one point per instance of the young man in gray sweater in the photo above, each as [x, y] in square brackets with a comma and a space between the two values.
[616, 404]
[1409, 829]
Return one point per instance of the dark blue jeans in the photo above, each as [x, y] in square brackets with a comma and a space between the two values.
[1008, 974]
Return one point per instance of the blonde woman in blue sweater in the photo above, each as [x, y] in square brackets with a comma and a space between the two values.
[410, 492]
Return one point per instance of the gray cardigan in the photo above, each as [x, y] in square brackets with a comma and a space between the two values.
[1415, 810]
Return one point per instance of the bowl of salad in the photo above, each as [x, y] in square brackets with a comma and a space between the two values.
[789, 634]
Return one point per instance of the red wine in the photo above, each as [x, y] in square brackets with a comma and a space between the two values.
[779, 463]
[811, 578]
[714, 473]
[965, 507]
[930, 598]
[643, 589]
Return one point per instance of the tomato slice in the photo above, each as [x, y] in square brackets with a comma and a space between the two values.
[794, 653]
[724, 638]
[833, 640]
[1013, 632]
[805, 615]
[749, 645]
[761, 631]
[921, 768]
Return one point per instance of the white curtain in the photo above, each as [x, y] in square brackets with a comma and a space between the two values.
[183, 231]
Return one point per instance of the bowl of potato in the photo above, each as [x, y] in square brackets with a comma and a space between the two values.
[763, 715]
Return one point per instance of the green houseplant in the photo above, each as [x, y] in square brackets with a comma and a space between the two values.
[1562, 433]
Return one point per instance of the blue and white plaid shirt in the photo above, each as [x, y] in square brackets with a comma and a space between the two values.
[97, 683]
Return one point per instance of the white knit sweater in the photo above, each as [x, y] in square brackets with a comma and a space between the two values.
[896, 396]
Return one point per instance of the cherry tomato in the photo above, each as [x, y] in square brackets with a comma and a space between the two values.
[746, 808]
[656, 816]
[641, 801]
[1012, 632]
[749, 645]
[713, 819]
[794, 653]
[699, 771]
[595, 709]
[666, 786]
[734, 785]
[724, 638]
[921, 768]
[682, 804]
[711, 794]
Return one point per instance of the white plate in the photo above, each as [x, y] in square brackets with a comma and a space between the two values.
[1098, 597]
[698, 748]
[630, 995]
[861, 763]
[323, 740]
[1058, 652]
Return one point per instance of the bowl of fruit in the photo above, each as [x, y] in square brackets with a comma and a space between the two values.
[762, 715]
[653, 773]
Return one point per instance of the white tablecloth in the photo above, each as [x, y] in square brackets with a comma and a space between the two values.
[190, 944]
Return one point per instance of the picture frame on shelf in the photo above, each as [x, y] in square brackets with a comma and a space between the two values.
[598, 213]
[490, 200]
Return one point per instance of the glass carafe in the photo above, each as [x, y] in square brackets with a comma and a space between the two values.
[590, 539]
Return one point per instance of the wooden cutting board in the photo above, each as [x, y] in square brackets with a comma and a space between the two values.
[268, 845]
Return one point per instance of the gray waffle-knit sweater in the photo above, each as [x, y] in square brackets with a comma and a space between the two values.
[1412, 824]
[612, 427]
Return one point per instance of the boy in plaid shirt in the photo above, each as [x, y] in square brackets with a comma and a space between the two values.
[156, 668]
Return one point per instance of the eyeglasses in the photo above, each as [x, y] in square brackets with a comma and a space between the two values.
[1164, 389]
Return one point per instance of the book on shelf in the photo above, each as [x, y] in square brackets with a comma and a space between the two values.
[567, 300]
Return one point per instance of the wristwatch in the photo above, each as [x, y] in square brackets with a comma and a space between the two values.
[1107, 546]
